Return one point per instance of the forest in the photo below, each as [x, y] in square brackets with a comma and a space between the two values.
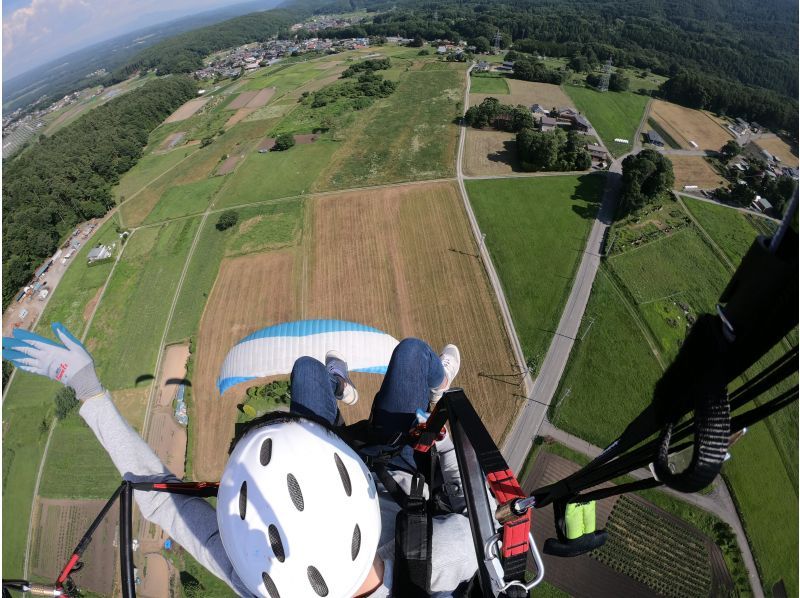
[67, 178]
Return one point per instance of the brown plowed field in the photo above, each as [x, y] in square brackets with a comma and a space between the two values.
[694, 170]
[401, 259]
[241, 100]
[252, 101]
[155, 578]
[250, 292]
[228, 165]
[685, 125]
[489, 152]
[527, 94]
[58, 525]
[187, 110]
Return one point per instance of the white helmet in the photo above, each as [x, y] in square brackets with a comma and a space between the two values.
[298, 511]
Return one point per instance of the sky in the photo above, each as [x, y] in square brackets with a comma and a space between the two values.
[38, 31]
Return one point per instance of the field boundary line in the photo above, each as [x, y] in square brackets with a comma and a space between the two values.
[168, 323]
[55, 420]
[706, 237]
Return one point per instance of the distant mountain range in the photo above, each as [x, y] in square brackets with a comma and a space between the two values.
[69, 73]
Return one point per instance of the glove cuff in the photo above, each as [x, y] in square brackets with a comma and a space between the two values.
[85, 383]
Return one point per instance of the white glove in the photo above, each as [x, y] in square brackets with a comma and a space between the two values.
[69, 363]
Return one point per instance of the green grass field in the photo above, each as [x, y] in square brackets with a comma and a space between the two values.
[610, 376]
[185, 200]
[126, 332]
[535, 231]
[279, 226]
[408, 136]
[146, 170]
[729, 229]
[277, 174]
[64, 476]
[486, 83]
[612, 114]
[287, 78]
[667, 273]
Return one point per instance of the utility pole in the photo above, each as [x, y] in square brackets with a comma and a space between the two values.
[607, 70]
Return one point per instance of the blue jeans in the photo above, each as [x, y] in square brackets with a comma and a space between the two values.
[413, 371]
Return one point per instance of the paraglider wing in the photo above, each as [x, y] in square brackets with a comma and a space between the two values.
[273, 350]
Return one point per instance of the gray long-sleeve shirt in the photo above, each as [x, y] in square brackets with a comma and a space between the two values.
[192, 521]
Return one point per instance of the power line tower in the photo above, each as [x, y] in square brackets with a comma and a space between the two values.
[496, 40]
[608, 68]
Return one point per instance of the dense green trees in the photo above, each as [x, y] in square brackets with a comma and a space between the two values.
[283, 142]
[552, 150]
[360, 91]
[491, 113]
[229, 218]
[367, 66]
[730, 150]
[529, 69]
[618, 82]
[66, 402]
[646, 177]
[67, 178]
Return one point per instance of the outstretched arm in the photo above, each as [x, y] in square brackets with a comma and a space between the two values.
[191, 521]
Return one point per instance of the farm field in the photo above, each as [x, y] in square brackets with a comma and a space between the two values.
[729, 229]
[535, 231]
[409, 256]
[127, 329]
[667, 277]
[694, 170]
[185, 200]
[779, 148]
[197, 167]
[611, 372]
[187, 110]
[277, 174]
[612, 114]
[489, 152]
[685, 125]
[147, 169]
[526, 93]
[277, 225]
[488, 84]
[408, 136]
[58, 528]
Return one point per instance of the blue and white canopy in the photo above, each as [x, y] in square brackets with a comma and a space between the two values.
[272, 351]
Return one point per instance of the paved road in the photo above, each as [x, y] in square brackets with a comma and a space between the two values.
[718, 502]
[518, 442]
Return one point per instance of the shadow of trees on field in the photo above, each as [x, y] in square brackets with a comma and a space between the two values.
[590, 189]
[507, 155]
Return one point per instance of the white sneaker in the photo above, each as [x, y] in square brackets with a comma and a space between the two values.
[451, 362]
[337, 366]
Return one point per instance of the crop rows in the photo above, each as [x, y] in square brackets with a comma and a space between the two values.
[669, 559]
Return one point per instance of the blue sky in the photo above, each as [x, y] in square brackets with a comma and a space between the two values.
[37, 31]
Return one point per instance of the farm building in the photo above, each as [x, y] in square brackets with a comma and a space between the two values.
[596, 152]
[506, 66]
[99, 253]
[482, 67]
[43, 268]
[548, 123]
[761, 204]
[654, 138]
[539, 109]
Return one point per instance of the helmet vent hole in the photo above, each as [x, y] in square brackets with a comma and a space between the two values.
[243, 500]
[355, 546]
[272, 589]
[275, 543]
[266, 452]
[348, 487]
[295, 492]
[317, 582]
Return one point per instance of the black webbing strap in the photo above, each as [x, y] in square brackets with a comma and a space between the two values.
[413, 543]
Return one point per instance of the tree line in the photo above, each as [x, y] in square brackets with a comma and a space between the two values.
[67, 178]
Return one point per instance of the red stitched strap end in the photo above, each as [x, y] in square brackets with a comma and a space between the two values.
[506, 488]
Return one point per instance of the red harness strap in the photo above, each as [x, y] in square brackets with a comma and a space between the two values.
[506, 488]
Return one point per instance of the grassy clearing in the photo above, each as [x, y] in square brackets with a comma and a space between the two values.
[185, 200]
[729, 229]
[127, 329]
[408, 136]
[611, 372]
[260, 227]
[277, 174]
[285, 78]
[486, 83]
[535, 231]
[146, 169]
[612, 114]
[93, 476]
[678, 270]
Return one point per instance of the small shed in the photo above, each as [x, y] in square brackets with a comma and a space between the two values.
[548, 123]
[99, 253]
[654, 138]
[761, 204]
